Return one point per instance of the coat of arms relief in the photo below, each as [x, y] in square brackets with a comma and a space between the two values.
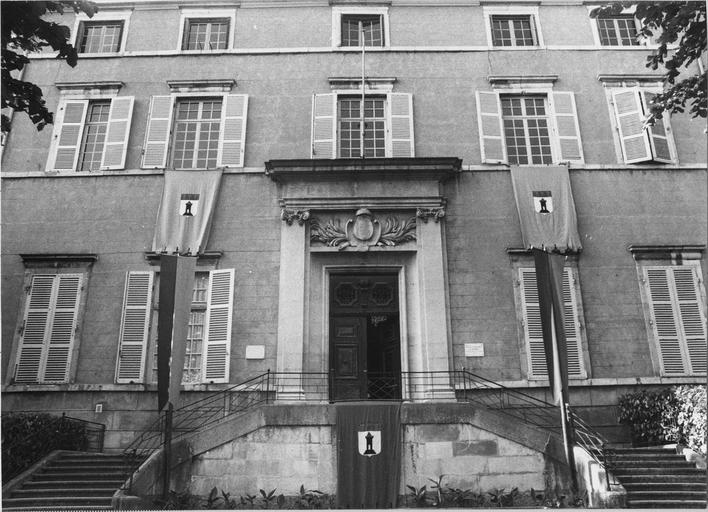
[363, 231]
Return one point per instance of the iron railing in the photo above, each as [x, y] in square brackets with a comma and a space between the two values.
[58, 433]
[453, 386]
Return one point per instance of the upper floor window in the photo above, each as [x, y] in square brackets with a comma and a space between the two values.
[619, 30]
[538, 127]
[206, 34]
[356, 26]
[100, 36]
[104, 32]
[91, 135]
[197, 131]
[387, 129]
[362, 27]
[518, 30]
[205, 30]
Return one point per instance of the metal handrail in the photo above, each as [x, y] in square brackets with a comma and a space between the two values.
[44, 441]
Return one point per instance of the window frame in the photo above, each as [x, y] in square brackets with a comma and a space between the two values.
[598, 36]
[384, 118]
[525, 117]
[532, 11]
[101, 17]
[187, 15]
[339, 11]
[654, 88]
[646, 261]
[523, 263]
[117, 120]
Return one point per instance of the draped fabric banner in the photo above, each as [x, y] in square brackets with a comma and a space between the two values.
[184, 217]
[546, 208]
[369, 438]
[549, 280]
[176, 284]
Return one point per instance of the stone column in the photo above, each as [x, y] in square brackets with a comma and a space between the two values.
[433, 306]
[291, 303]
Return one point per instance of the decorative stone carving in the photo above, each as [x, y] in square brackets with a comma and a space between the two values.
[289, 216]
[363, 231]
[435, 213]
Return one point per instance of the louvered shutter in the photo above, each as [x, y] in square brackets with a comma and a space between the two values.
[157, 135]
[693, 322]
[402, 142]
[324, 126]
[35, 328]
[67, 135]
[665, 323]
[658, 133]
[567, 129]
[219, 318]
[233, 132]
[134, 327]
[118, 132]
[63, 329]
[491, 130]
[630, 121]
[534, 332]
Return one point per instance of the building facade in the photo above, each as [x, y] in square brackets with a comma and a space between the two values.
[355, 254]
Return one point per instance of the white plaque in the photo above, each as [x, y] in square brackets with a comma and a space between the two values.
[474, 349]
[255, 351]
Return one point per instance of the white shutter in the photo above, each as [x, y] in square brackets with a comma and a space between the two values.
[157, 135]
[665, 323]
[533, 330]
[565, 118]
[630, 122]
[659, 139]
[219, 318]
[324, 126]
[491, 129]
[67, 135]
[400, 124]
[134, 327]
[118, 132]
[232, 138]
[63, 328]
[34, 330]
[691, 314]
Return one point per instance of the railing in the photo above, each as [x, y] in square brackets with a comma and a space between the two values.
[453, 386]
[58, 433]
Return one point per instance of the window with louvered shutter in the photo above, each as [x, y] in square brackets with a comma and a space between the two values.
[324, 119]
[134, 328]
[533, 332]
[233, 131]
[491, 130]
[401, 125]
[49, 329]
[677, 318]
[219, 317]
[157, 134]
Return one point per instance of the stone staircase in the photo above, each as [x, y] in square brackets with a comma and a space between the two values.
[659, 478]
[71, 480]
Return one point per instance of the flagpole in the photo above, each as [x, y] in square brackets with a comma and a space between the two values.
[363, 75]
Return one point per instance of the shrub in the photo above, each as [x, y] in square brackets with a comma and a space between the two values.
[675, 415]
[26, 438]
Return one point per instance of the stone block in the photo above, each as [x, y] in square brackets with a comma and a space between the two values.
[437, 450]
[507, 447]
[461, 448]
[522, 481]
[436, 433]
[515, 464]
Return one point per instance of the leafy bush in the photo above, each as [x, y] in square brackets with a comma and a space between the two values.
[676, 414]
[26, 438]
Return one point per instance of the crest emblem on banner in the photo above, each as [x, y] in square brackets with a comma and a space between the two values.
[189, 205]
[369, 442]
[542, 201]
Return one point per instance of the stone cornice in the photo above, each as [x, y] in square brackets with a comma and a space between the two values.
[53, 259]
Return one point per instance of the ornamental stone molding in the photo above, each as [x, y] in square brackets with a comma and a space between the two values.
[290, 215]
[426, 213]
[363, 231]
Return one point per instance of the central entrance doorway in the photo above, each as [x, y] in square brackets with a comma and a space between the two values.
[365, 341]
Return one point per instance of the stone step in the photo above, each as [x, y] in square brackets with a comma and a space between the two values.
[666, 494]
[664, 486]
[100, 492]
[49, 508]
[77, 501]
[94, 475]
[653, 464]
[90, 461]
[682, 504]
[71, 468]
[650, 457]
[74, 484]
[672, 471]
[682, 479]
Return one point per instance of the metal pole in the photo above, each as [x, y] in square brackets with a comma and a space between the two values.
[167, 450]
[362, 129]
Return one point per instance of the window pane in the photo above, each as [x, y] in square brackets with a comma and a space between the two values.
[196, 133]
[526, 129]
[206, 34]
[617, 31]
[353, 26]
[350, 136]
[513, 31]
[94, 136]
[100, 37]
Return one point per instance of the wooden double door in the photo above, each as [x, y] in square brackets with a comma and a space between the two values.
[365, 343]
